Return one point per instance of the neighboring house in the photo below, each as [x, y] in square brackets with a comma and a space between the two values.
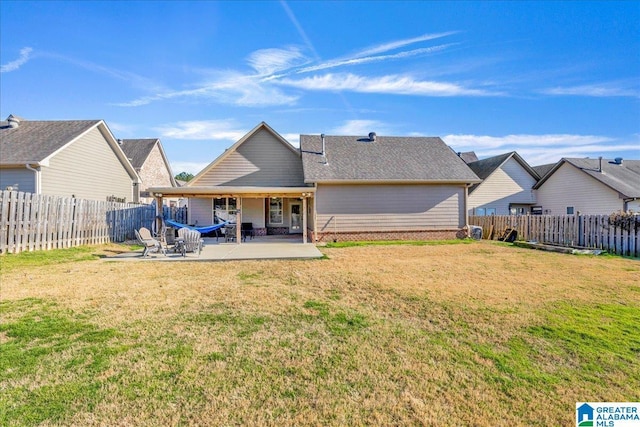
[343, 189]
[75, 158]
[590, 187]
[150, 162]
[506, 187]
[468, 156]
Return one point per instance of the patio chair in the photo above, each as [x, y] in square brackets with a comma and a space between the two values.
[189, 241]
[150, 244]
[230, 233]
[247, 230]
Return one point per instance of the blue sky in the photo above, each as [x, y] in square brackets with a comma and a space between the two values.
[546, 79]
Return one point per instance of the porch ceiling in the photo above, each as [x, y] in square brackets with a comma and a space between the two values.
[228, 191]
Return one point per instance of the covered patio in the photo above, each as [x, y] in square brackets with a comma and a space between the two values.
[241, 196]
[263, 247]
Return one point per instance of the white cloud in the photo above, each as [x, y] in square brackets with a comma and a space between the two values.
[292, 138]
[539, 149]
[605, 89]
[229, 88]
[360, 127]
[202, 129]
[269, 61]
[25, 54]
[391, 84]
[385, 47]
[370, 59]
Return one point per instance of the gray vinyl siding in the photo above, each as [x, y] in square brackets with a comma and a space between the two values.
[569, 186]
[88, 169]
[356, 208]
[261, 161]
[508, 184]
[253, 211]
[24, 178]
[200, 211]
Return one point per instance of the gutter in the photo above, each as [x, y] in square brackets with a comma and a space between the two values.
[38, 177]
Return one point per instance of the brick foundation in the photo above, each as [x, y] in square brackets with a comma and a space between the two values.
[386, 235]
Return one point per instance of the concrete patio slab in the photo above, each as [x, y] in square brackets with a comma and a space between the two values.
[218, 251]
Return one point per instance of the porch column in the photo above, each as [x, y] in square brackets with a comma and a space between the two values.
[304, 219]
[239, 220]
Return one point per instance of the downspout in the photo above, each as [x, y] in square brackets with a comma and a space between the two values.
[37, 176]
[466, 204]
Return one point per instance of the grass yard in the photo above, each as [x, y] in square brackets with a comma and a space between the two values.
[480, 334]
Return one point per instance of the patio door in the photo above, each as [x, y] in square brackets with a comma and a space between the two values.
[295, 217]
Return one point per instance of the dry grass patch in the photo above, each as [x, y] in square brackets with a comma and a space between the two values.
[478, 334]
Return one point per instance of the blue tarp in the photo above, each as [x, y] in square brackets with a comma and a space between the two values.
[202, 229]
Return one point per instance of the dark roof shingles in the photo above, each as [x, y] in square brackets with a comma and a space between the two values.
[137, 150]
[34, 141]
[401, 159]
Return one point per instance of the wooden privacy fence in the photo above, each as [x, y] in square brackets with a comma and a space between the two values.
[35, 222]
[616, 233]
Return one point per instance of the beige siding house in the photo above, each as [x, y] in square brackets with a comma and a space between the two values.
[590, 187]
[506, 187]
[379, 187]
[150, 162]
[75, 158]
[258, 180]
[333, 187]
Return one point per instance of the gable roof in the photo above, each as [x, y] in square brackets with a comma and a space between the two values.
[234, 148]
[138, 150]
[542, 170]
[36, 141]
[623, 178]
[485, 167]
[382, 159]
[468, 156]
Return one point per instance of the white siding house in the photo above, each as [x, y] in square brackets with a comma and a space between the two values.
[507, 186]
[590, 187]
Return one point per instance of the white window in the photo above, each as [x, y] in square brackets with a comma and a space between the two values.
[224, 209]
[275, 210]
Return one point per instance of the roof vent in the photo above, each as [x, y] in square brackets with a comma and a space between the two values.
[618, 160]
[119, 141]
[372, 136]
[14, 122]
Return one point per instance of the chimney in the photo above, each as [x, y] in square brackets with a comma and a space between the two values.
[372, 136]
[14, 122]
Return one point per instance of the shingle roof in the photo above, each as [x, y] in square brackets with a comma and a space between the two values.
[468, 156]
[34, 141]
[485, 167]
[385, 159]
[542, 170]
[137, 150]
[623, 178]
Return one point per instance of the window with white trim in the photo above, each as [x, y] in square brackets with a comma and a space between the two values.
[275, 210]
[224, 209]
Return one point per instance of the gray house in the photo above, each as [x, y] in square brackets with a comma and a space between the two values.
[333, 187]
[76, 158]
[150, 162]
[506, 187]
[589, 186]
